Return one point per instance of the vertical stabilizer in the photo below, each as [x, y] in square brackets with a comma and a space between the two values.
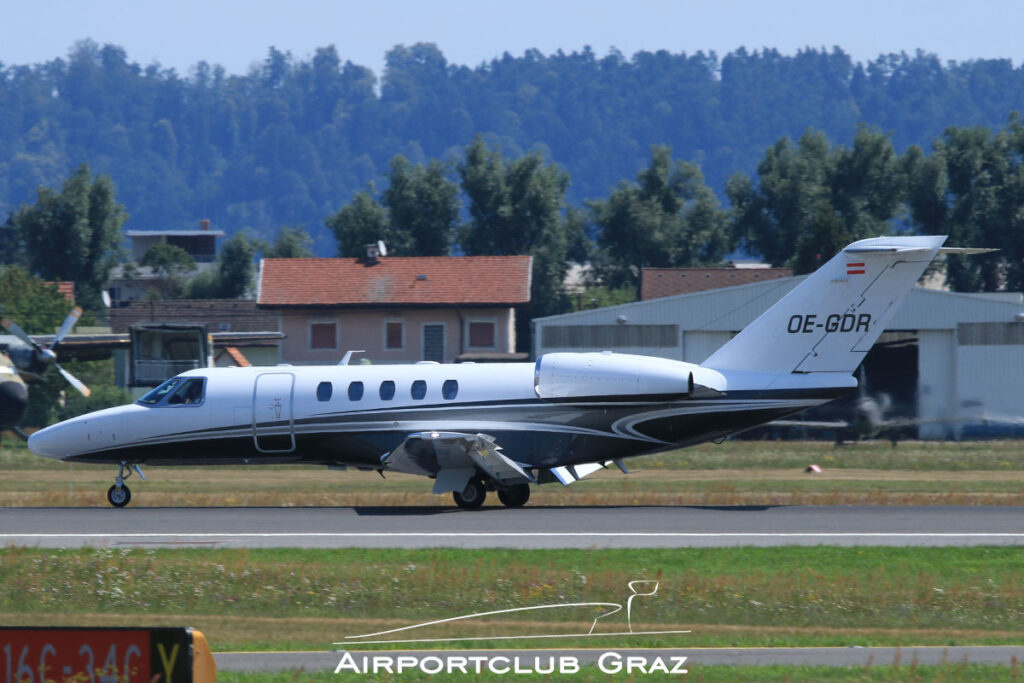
[831, 320]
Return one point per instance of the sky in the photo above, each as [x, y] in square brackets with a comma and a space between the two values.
[237, 33]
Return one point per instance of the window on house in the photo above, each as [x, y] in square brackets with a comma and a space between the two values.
[450, 389]
[419, 389]
[482, 334]
[355, 391]
[394, 334]
[323, 335]
[324, 391]
[387, 390]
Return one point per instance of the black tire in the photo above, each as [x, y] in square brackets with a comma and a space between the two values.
[514, 496]
[119, 498]
[472, 496]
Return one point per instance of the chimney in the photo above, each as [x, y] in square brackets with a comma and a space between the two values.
[204, 224]
[375, 251]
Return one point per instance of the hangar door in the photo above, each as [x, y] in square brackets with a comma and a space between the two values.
[273, 427]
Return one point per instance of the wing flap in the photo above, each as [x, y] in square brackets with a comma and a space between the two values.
[568, 474]
[453, 457]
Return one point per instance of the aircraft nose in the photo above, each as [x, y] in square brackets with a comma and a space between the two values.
[13, 401]
[53, 442]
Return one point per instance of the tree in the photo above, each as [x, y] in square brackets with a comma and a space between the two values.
[74, 234]
[235, 266]
[669, 217]
[423, 207]
[172, 264]
[362, 221]
[516, 208]
[290, 243]
[813, 199]
[971, 188]
[29, 301]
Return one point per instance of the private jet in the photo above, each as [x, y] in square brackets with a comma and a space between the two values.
[507, 427]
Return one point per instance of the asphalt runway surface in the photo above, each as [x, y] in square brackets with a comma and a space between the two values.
[529, 527]
[695, 657]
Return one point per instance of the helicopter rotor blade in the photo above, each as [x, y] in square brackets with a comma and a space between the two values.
[74, 381]
[15, 329]
[69, 323]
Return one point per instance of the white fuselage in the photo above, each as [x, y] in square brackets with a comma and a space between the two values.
[590, 407]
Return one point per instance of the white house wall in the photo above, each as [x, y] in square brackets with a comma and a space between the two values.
[698, 345]
[936, 384]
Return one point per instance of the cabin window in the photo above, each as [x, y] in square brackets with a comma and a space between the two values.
[324, 391]
[394, 335]
[189, 393]
[450, 389]
[419, 389]
[355, 391]
[323, 335]
[481, 334]
[387, 390]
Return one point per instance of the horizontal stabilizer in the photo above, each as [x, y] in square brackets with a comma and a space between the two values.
[885, 249]
[968, 251]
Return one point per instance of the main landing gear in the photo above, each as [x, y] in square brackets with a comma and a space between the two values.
[119, 494]
[475, 493]
[514, 496]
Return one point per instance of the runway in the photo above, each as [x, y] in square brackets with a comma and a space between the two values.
[530, 527]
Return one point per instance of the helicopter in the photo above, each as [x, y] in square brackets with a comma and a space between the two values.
[21, 358]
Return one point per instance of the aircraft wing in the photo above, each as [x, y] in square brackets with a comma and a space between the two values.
[452, 458]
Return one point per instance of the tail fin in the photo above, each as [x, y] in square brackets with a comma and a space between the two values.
[831, 320]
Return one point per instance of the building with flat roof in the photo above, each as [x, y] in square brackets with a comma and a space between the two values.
[949, 363]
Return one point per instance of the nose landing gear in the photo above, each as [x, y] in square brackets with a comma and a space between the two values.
[119, 494]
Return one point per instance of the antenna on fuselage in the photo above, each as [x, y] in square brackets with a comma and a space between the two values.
[348, 356]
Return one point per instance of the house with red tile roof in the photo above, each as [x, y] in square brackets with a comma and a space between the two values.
[658, 282]
[395, 309]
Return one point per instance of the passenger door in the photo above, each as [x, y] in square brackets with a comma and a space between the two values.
[273, 425]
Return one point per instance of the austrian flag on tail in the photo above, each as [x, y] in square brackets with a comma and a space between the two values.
[854, 268]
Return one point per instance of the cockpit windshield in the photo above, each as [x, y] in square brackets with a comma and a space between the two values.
[182, 391]
[190, 392]
[153, 397]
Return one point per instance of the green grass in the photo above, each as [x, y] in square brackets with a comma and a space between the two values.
[878, 455]
[734, 473]
[307, 599]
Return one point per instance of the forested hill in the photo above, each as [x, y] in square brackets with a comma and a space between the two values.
[293, 140]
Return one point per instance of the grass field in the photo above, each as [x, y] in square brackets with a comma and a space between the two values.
[734, 473]
[308, 599]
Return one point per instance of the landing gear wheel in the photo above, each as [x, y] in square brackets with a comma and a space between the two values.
[119, 497]
[472, 496]
[514, 496]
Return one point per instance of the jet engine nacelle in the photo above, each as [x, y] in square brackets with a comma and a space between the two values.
[563, 376]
